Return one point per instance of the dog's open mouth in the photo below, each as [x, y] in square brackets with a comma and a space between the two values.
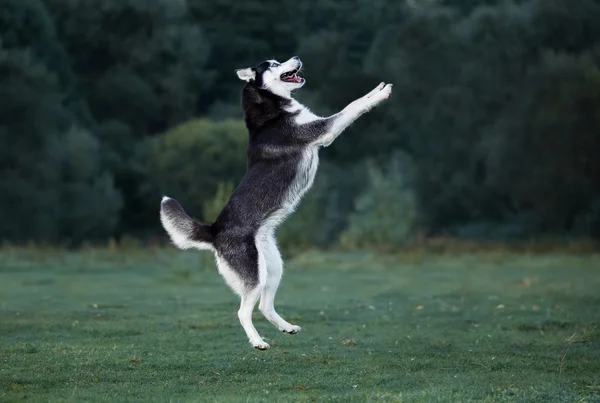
[291, 77]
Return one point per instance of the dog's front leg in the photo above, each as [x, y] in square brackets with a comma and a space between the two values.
[341, 120]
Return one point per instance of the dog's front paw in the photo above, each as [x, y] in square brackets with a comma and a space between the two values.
[385, 92]
[380, 96]
[381, 92]
[375, 90]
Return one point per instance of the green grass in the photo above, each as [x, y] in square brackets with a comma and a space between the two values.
[161, 326]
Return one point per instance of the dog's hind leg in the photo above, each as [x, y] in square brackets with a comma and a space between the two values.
[274, 273]
[245, 273]
[249, 300]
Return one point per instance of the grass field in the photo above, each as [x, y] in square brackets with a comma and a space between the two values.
[161, 326]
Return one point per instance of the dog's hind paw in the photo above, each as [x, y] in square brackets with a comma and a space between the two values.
[292, 330]
[260, 345]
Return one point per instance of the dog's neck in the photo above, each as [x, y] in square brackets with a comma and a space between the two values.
[279, 90]
[261, 106]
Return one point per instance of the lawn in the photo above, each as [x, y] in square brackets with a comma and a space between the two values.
[160, 325]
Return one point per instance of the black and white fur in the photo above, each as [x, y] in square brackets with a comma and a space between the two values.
[285, 137]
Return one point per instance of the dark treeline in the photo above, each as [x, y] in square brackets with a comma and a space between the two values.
[492, 132]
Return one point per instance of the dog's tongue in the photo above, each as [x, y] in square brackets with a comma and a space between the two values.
[292, 78]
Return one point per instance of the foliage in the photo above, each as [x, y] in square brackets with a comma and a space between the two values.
[54, 185]
[213, 207]
[495, 102]
[560, 117]
[385, 213]
[139, 61]
[191, 160]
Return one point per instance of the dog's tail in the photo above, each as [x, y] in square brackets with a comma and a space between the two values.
[185, 232]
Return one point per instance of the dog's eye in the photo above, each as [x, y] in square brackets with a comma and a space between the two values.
[275, 65]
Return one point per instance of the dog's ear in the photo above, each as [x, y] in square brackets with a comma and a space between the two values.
[248, 74]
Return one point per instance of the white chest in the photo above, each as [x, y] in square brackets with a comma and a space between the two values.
[305, 175]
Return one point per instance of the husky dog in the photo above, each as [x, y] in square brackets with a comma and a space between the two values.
[284, 141]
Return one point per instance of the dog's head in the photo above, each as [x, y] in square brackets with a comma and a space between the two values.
[279, 78]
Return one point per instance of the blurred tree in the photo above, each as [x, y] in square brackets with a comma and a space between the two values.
[141, 65]
[191, 160]
[385, 212]
[89, 201]
[566, 26]
[26, 24]
[53, 184]
[140, 61]
[494, 101]
[213, 207]
[543, 154]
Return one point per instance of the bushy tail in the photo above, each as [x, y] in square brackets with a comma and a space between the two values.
[184, 232]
